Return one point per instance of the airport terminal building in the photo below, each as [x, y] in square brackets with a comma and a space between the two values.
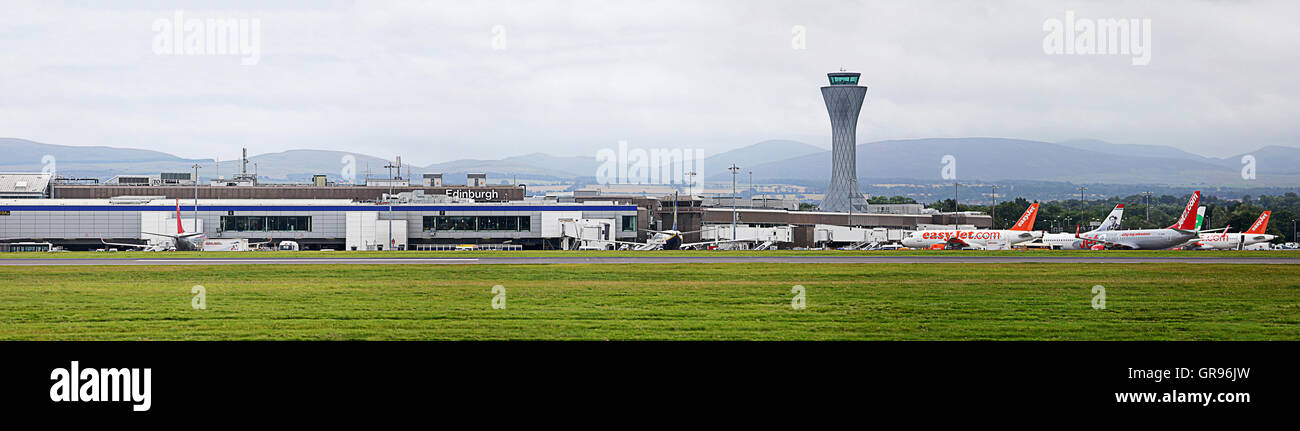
[340, 224]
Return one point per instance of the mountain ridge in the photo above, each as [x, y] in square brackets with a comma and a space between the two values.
[977, 158]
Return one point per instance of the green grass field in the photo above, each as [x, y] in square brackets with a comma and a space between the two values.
[658, 302]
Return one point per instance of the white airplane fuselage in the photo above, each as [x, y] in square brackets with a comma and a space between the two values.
[1141, 239]
[975, 238]
[1231, 241]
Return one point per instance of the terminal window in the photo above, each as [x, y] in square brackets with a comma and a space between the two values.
[629, 223]
[844, 80]
[266, 223]
[478, 223]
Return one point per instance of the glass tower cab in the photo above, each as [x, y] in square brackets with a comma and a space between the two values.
[844, 78]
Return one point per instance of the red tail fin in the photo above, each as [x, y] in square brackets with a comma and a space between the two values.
[1188, 220]
[1260, 225]
[179, 229]
[1026, 221]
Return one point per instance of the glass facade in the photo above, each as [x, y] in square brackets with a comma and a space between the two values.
[266, 223]
[844, 80]
[478, 223]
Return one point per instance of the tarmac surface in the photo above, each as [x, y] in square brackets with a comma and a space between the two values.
[643, 259]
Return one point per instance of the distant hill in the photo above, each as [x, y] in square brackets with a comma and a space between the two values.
[1133, 150]
[539, 164]
[1268, 160]
[978, 159]
[25, 152]
[992, 159]
[21, 155]
[763, 152]
[300, 165]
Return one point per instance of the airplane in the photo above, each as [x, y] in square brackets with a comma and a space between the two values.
[1068, 241]
[180, 241]
[670, 239]
[1180, 232]
[1200, 221]
[978, 239]
[1237, 241]
[150, 246]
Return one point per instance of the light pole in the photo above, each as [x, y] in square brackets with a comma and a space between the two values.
[1148, 205]
[854, 183]
[734, 170]
[955, 205]
[196, 197]
[1083, 207]
[994, 211]
[391, 243]
[690, 183]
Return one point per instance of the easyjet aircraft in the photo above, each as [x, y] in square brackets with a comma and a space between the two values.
[1230, 241]
[181, 241]
[978, 239]
[1151, 239]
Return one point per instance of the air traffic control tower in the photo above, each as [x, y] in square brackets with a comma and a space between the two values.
[844, 101]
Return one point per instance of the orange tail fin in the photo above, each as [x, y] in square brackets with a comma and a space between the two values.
[179, 229]
[1260, 225]
[1026, 221]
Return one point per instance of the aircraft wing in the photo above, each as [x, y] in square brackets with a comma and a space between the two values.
[692, 244]
[172, 235]
[626, 242]
[124, 244]
[959, 242]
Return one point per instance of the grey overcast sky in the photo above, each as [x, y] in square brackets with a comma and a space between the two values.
[427, 81]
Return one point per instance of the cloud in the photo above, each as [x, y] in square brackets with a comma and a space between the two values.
[423, 80]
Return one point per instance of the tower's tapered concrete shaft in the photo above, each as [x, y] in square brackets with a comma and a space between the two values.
[843, 102]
